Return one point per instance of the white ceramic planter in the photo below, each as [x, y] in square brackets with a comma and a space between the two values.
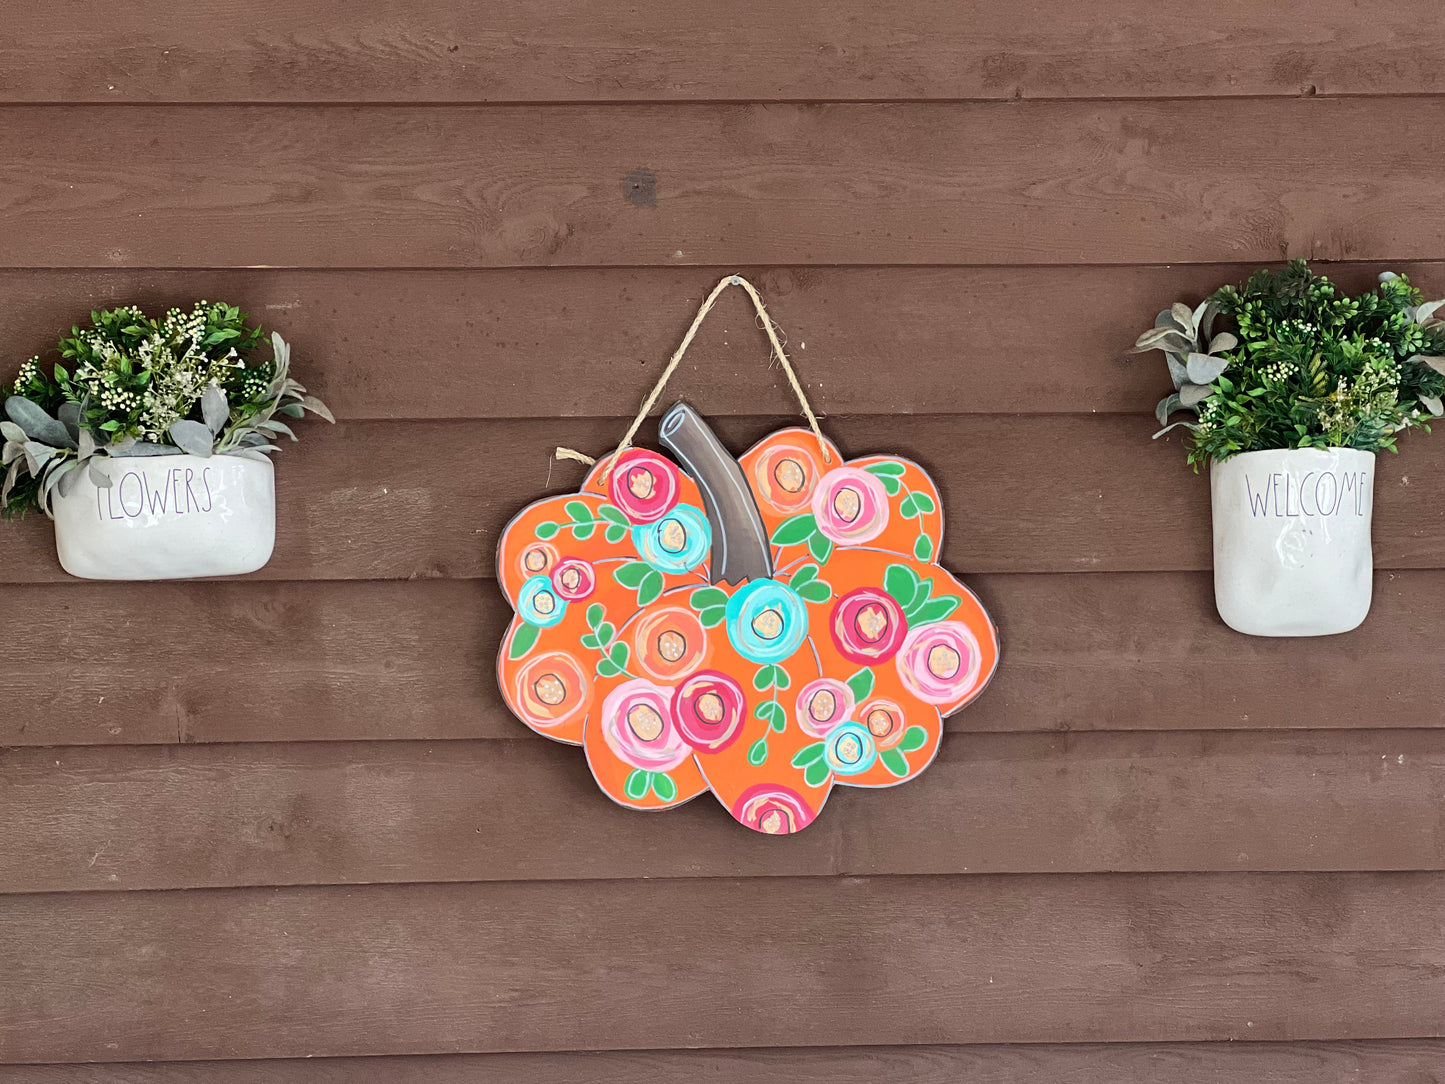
[168, 517]
[1292, 540]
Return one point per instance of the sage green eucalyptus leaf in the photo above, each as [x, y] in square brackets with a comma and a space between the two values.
[11, 452]
[1223, 341]
[37, 455]
[10, 476]
[1434, 405]
[1191, 395]
[317, 407]
[101, 479]
[37, 424]
[87, 445]
[1167, 406]
[144, 448]
[214, 408]
[192, 438]
[13, 432]
[1204, 369]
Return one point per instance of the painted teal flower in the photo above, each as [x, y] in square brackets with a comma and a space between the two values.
[849, 749]
[678, 542]
[766, 621]
[539, 603]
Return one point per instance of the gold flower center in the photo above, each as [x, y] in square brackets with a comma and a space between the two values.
[849, 750]
[640, 483]
[768, 624]
[880, 723]
[550, 690]
[710, 706]
[671, 645]
[774, 823]
[645, 721]
[822, 706]
[535, 560]
[571, 578]
[672, 536]
[847, 503]
[872, 622]
[544, 602]
[790, 475]
[943, 661]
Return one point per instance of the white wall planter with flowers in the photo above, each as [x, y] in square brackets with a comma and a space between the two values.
[1292, 540]
[149, 446]
[168, 517]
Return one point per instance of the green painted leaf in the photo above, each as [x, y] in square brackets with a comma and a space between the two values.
[663, 786]
[651, 587]
[816, 774]
[613, 514]
[820, 546]
[618, 653]
[595, 613]
[631, 574]
[886, 469]
[795, 529]
[523, 641]
[713, 616]
[915, 737]
[705, 598]
[781, 680]
[924, 503]
[891, 485]
[862, 685]
[578, 512]
[935, 609]
[804, 575]
[907, 508]
[545, 530]
[771, 712]
[894, 761]
[606, 669]
[808, 754]
[923, 548]
[920, 595]
[588, 640]
[614, 533]
[901, 582]
[758, 752]
[605, 632]
[637, 785]
[763, 679]
[583, 530]
[815, 591]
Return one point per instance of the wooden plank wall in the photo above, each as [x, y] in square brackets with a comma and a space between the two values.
[283, 828]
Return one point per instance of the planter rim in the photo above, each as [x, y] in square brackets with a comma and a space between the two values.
[217, 458]
[1331, 450]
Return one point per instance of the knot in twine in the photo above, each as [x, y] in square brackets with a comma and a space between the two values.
[647, 404]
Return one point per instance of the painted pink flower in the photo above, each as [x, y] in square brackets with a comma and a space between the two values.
[643, 485]
[822, 705]
[939, 663]
[868, 626]
[638, 726]
[773, 810]
[709, 709]
[850, 506]
[574, 579]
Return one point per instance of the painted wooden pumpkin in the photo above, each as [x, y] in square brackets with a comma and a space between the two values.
[765, 627]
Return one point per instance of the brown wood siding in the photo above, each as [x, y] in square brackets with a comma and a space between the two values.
[283, 828]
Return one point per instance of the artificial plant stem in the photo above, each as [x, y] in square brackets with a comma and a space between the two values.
[740, 548]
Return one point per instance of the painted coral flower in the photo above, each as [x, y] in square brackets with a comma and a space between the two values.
[884, 720]
[822, 705]
[643, 485]
[940, 663]
[550, 689]
[868, 626]
[709, 708]
[773, 810]
[671, 643]
[850, 506]
[766, 621]
[574, 579]
[678, 541]
[786, 475]
[638, 726]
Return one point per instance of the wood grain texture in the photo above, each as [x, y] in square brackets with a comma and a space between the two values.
[416, 660]
[1399, 1061]
[583, 342]
[759, 962]
[659, 185]
[541, 50]
[1056, 493]
[341, 813]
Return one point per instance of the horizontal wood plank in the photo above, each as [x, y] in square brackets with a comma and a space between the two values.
[407, 660]
[767, 962]
[586, 342]
[659, 185]
[1061, 493]
[539, 50]
[342, 813]
[1397, 1061]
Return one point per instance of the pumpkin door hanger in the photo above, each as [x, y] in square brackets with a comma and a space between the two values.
[765, 628]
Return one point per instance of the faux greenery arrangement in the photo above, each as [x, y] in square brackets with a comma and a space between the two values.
[130, 385]
[1303, 366]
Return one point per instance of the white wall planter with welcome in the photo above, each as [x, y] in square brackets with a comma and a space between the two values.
[1292, 540]
[168, 517]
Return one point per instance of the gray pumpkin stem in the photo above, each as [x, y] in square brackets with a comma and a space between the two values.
[740, 549]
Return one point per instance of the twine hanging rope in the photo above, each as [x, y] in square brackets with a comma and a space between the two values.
[647, 404]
